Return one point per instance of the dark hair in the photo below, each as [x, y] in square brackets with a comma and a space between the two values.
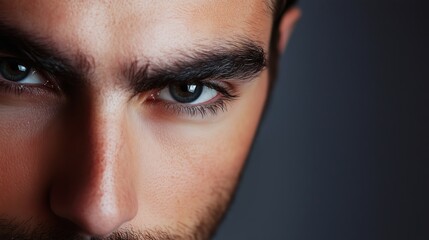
[280, 7]
[289, 3]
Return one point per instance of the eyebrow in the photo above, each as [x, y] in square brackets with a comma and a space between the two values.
[240, 59]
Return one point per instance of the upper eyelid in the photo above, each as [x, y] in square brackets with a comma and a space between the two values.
[19, 55]
[158, 86]
[21, 60]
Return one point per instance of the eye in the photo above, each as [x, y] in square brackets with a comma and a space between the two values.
[185, 99]
[15, 71]
[188, 93]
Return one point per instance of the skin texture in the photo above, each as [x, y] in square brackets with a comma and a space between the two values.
[100, 158]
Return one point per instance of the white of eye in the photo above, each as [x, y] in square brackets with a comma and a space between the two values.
[206, 95]
[32, 78]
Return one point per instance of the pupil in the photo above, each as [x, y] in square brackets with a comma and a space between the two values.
[185, 93]
[13, 71]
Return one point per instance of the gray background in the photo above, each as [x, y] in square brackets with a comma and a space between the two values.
[344, 149]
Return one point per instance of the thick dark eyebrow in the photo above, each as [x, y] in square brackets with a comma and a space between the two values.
[41, 53]
[237, 60]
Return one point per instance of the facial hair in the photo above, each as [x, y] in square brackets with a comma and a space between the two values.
[209, 220]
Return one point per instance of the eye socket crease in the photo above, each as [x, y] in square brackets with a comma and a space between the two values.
[236, 60]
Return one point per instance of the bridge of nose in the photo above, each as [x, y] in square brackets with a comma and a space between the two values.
[95, 190]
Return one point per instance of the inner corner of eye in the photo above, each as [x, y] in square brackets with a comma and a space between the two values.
[150, 96]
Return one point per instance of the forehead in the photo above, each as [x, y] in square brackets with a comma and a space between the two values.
[97, 27]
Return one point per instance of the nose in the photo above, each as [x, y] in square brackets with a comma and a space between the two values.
[94, 189]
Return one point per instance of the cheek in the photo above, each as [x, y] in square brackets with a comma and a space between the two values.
[24, 141]
[188, 165]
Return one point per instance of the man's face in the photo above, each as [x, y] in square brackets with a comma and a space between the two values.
[127, 117]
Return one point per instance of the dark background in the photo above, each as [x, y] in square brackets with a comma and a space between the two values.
[343, 152]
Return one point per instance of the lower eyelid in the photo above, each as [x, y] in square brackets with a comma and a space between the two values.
[19, 89]
[28, 89]
[199, 109]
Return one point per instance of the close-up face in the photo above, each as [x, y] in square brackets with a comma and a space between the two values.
[128, 119]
